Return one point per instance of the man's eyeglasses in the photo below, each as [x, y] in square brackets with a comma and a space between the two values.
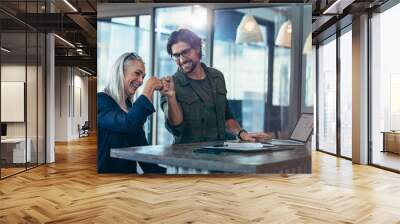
[185, 53]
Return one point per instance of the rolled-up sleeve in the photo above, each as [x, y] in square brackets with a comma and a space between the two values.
[176, 130]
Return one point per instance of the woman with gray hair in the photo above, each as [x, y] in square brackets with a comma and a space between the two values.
[120, 118]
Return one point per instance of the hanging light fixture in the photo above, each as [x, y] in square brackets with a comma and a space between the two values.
[284, 38]
[307, 45]
[248, 31]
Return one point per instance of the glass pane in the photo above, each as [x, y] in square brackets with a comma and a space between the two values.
[258, 95]
[346, 94]
[310, 78]
[31, 98]
[41, 99]
[167, 21]
[13, 86]
[385, 84]
[245, 96]
[117, 36]
[327, 97]
[281, 83]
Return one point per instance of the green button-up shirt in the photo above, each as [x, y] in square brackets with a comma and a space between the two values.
[200, 123]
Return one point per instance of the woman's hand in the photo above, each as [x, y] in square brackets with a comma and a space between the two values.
[152, 84]
[168, 87]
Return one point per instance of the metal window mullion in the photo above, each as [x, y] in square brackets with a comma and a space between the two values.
[0, 93]
[37, 93]
[153, 121]
[26, 87]
[369, 79]
[317, 97]
[338, 95]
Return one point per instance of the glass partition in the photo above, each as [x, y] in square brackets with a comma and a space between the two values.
[346, 93]
[385, 89]
[31, 98]
[327, 96]
[22, 92]
[14, 153]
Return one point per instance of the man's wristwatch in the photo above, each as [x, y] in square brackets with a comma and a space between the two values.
[240, 132]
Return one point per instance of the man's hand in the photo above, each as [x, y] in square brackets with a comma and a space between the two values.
[254, 137]
[154, 83]
[168, 87]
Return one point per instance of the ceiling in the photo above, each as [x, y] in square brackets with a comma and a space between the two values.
[328, 15]
[75, 23]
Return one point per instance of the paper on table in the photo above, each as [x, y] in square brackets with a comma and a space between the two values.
[244, 144]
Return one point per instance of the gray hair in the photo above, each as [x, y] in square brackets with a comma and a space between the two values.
[115, 82]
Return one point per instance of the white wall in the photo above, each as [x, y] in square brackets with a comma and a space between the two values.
[70, 84]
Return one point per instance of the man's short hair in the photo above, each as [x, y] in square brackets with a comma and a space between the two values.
[186, 36]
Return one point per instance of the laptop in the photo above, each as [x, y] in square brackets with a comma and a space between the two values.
[300, 134]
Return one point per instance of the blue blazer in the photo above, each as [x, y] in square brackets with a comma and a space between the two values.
[117, 129]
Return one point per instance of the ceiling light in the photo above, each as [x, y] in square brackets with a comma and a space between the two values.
[5, 50]
[84, 71]
[71, 6]
[65, 41]
[284, 37]
[248, 31]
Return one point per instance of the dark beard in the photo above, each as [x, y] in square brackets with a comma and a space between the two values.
[191, 69]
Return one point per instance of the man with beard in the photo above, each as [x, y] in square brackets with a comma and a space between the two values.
[194, 99]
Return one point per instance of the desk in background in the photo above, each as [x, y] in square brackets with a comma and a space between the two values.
[297, 160]
[13, 150]
[391, 141]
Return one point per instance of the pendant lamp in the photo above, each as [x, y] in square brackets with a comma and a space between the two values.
[248, 31]
[284, 37]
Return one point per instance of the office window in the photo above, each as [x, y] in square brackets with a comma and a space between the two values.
[346, 94]
[242, 65]
[168, 20]
[385, 86]
[309, 85]
[327, 96]
[257, 75]
[119, 35]
[281, 77]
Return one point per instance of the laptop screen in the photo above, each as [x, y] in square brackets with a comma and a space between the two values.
[303, 128]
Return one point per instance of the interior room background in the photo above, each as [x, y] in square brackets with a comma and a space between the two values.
[269, 83]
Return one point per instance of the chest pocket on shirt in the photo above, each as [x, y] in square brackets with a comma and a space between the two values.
[191, 106]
